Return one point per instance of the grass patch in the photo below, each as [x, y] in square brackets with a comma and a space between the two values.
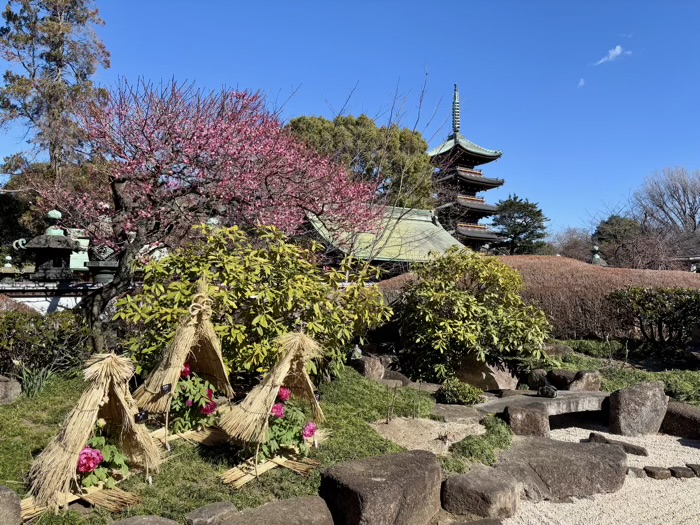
[485, 448]
[190, 477]
[28, 425]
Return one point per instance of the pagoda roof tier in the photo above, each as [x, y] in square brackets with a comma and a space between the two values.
[473, 178]
[476, 204]
[476, 232]
[457, 150]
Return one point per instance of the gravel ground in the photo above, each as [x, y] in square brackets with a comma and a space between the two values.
[640, 501]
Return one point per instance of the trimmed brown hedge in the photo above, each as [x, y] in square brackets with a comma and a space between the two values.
[573, 293]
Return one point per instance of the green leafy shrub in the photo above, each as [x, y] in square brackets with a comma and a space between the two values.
[662, 315]
[56, 342]
[485, 448]
[261, 286]
[455, 392]
[463, 303]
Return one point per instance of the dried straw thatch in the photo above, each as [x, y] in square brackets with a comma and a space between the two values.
[195, 342]
[248, 421]
[106, 396]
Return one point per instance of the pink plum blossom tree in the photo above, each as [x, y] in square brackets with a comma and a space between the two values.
[166, 157]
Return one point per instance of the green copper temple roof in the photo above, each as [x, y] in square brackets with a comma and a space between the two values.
[457, 140]
[405, 235]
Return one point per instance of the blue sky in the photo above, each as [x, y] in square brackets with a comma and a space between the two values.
[579, 133]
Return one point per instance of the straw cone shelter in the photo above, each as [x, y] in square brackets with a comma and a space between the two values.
[106, 396]
[248, 421]
[196, 343]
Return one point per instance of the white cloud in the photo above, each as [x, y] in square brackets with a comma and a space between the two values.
[626, 35]
[581, 83]
[613, 54]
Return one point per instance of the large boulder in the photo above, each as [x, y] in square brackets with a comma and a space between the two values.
[556, 470]
[396, 489]
[535, 379]
[211, 514]
[587, 380]
[639, 409]
[10, 390]
[369, 366]
[682, 420]
[529, 420]
[301, 511]
[10, 507]
[483, 491]
[561, 378]
[484, 376]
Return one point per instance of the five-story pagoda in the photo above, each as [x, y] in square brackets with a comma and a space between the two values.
[458, 181]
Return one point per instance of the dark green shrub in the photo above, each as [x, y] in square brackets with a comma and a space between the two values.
[57, 342]
[610, 349]
[662, 315]
[463, 304]
[455, 392]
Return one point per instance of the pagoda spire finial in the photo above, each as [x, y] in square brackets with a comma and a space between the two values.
[455, 112]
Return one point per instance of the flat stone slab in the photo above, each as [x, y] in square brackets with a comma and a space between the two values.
[555, 470]
[311, 510]
[635, 450]
[457, 413]
[682, 472]
[658, 472]
[695, 468]
[210, 514]
[566, 402]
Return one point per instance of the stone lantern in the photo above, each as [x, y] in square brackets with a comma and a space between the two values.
[52, 252]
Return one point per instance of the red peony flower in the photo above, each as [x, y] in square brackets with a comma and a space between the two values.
[309, 430]
[284, 394]
[89, 460]
[278, 410]
[186, 371]
[209, 408]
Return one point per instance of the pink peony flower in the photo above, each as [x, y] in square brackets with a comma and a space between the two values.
[186, 371]
[189, 403]
[209, 408]
[210, 394]
[309, 430]
[284, 394]
[278, 410]
[89, 460]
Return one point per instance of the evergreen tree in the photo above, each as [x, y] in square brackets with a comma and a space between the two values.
[52, 52]
[522, 225]
[395, 158]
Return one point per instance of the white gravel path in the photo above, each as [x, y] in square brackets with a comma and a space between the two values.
[640, 501]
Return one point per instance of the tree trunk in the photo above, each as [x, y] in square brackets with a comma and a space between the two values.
[94, 305]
